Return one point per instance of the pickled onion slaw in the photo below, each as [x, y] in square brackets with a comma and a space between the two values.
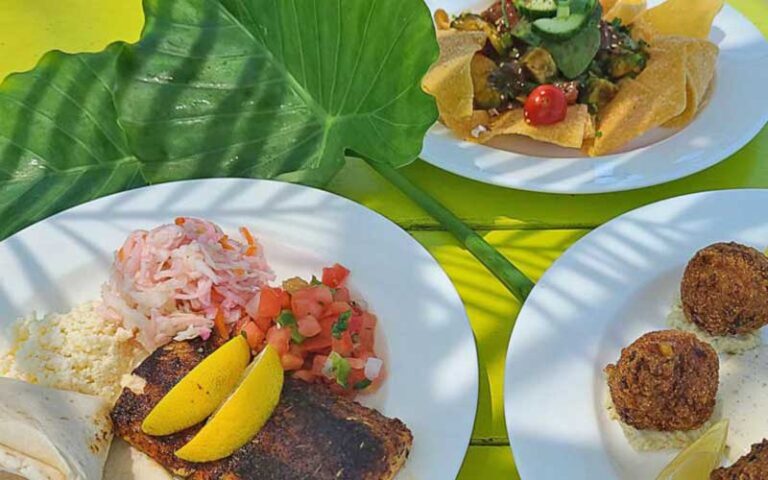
[175, 281]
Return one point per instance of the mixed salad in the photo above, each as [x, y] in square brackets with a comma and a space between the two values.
[544, 55]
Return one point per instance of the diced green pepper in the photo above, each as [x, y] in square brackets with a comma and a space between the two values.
[341, 325]
[287, 320]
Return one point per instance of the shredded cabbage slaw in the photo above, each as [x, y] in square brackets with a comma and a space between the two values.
[175, 281]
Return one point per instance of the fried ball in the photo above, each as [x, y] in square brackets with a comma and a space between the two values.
[725, 289]
[752, 466]
[665, 381]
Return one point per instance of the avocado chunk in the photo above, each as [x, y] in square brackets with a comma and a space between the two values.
[631, 64]
[486, 97]
[537, 8]
[599, 92]
[539, 64]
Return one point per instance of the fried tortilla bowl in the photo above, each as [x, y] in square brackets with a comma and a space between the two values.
[668, 92]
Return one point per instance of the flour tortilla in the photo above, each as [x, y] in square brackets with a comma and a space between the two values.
[48, 434]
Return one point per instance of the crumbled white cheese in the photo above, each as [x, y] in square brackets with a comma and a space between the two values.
[77, 351]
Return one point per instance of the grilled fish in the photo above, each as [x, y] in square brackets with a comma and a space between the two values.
[313, 433]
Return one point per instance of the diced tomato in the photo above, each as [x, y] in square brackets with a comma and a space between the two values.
[305, 375]
[311, 301]
[264, 323]
[270, 302]
[254, 335]
[318, 343]
[309, 326]
[335, 276]
[279, 338]
[291, 361]
[366, 334]
[355, 375]
[355, 324]
[285, 300]
[342, 295]
[343, 346]
[363, 354]
[356, 363]
[336, 308]
[318, 364]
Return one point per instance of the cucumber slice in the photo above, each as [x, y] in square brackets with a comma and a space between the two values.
[537, 8]
[564, 27]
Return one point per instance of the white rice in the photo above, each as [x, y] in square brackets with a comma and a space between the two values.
[77, 351]
[731, 344]
[650, 440]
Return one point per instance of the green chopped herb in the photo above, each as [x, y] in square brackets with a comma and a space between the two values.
[340, 368]
[315, 281]
[341, 325]
[598, 134]
[287, 320]
[362, 384]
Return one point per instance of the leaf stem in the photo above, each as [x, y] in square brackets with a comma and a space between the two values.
[509, 275]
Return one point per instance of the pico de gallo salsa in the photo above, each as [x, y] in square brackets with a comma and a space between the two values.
[321, 333]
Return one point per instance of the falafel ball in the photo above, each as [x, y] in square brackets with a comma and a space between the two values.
[665, 381]
[725, 289]
[752, 466]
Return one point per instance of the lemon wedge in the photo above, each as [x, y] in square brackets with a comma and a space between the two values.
[242, 415]
[698, 460]
[201, 391]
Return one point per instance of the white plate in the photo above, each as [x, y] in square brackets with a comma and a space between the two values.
[736, 112]
[613, 285]
[428, 345]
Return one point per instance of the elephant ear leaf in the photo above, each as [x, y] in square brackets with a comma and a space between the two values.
[263, 88]
[60, 143]
[250, 88]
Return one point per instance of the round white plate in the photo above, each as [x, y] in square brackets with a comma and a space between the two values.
[427, 343]
[613, 285]
[736, 112]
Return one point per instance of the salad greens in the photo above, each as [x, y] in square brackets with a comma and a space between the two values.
[249, 88]
[574, 55]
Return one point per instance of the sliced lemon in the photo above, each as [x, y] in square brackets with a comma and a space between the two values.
[201, 391]
[698, 460]
[242, 415]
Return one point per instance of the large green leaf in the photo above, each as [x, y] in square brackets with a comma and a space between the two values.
[258, 88]
[60, 143]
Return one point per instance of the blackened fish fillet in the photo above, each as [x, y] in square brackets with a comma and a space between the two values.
[313, 433]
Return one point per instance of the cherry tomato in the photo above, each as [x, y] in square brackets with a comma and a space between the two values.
[545, 105]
